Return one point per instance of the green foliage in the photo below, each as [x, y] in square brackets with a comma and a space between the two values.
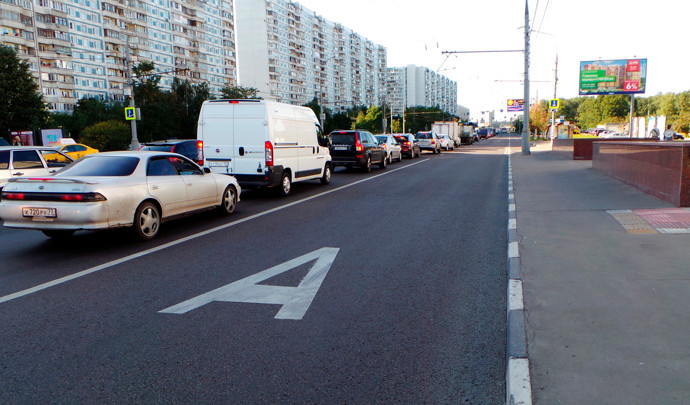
[338, 121]
[239, 92]
[314, 105]
[21, 103]
[420, 118]
[108, 135]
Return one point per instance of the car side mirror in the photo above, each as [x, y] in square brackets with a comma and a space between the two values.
[206, 170]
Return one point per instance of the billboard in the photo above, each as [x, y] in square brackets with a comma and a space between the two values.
[515, 105]
[619, 76]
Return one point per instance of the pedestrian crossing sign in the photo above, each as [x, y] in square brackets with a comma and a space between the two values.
[554, 104]
[130, 113]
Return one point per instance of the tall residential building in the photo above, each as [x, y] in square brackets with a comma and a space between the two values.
[420, 86]
[81, 48]
[463, 112]
[291, 54]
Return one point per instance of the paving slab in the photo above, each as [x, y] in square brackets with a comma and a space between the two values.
[606, 279]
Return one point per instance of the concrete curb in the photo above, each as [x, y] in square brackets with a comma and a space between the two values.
[518, 380]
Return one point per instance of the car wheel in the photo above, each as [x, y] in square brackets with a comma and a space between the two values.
[229, 201]
[400, 157]
[367, 165]
[383, 163]
[326, 178]
[147, 221]
[285, 185]
[58, 233]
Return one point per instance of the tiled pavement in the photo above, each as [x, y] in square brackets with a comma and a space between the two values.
[652, 221]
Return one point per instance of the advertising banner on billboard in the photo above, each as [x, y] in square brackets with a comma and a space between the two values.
[620, 76]
[515, 105]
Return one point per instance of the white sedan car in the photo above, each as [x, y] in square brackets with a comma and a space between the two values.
[116, 189]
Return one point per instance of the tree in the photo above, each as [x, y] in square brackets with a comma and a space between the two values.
[539, 117]
[189, 97]
[108, 135]
[239, 92]
[20, 101]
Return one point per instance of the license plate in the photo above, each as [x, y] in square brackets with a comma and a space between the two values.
[341, 147]
[39, 212]
[218, 163]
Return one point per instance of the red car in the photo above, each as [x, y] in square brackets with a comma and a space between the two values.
[408, 145]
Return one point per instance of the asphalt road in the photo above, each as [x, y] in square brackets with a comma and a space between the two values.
[412, 308]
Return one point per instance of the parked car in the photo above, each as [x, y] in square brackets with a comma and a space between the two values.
[392, 147]
[409, 145]
[428, 140]
[116, 189]
[356, 148]
[18, 161]
[76, 150]
[264, 143]
[446, 143]
[190, 148]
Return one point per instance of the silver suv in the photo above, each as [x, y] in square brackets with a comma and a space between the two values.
[428, 140]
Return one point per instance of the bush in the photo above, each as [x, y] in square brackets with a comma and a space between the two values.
[107, 136]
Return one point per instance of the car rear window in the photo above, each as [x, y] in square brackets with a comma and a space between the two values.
[382, 138]
[401, 138]
[343, 138]
[101, 166]
[424, 135]
[482, 131]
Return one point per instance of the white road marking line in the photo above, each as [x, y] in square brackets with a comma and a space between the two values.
[512, 224]
[146, 252]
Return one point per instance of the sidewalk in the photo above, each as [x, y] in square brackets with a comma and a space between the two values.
[606, 288]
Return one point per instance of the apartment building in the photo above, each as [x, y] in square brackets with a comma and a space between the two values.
[420, 86]
[291, 54]
[85, 48]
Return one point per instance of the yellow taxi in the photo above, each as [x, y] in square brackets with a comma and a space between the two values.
[77, 150]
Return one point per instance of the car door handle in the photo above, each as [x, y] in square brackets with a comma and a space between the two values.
[154, 187]
[51, 171]
[18, 174]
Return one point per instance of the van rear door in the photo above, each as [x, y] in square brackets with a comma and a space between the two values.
[250, 126]
[216, 130]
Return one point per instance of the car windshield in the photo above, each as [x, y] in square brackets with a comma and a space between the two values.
[343, 138]
[424, 135]
[101, 166]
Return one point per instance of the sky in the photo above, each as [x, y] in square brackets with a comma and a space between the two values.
[417, 33]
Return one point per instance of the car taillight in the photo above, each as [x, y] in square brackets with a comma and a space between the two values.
[433, 142]
[200, 153]
[358, 146]
[12, 196]
[71, 197]
[407, 143]
[269, 154]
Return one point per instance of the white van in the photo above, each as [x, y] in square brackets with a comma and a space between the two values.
[264, 143]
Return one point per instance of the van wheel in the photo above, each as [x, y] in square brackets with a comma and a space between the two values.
[147, 221]
[326, 178]
[229, 202]
[285, 185]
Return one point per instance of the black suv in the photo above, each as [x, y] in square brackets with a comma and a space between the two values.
[190, 148]
[356, 148]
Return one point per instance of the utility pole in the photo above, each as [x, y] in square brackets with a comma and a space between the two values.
[553, 112]
[525, 125]
[632, 115]
[135, 141]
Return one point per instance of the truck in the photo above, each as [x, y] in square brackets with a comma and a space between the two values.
[467, 133]
[449, 128]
